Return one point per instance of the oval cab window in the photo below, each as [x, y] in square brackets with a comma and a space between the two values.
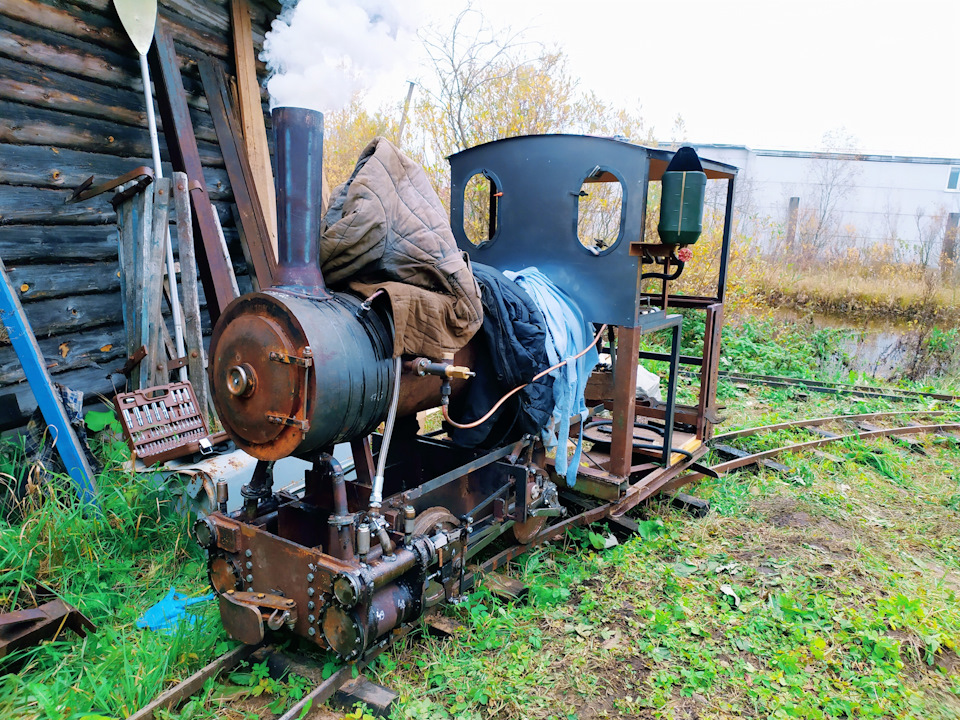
[480, 200]
[599, 211]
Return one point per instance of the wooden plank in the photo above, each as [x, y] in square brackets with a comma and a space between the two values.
[251, 116]
[101, 346]
[24, 125]
[252, 222]
[84, 243]
[127, 260]
[101, 31]
[54, 414]
[154, 367]
[40, 282]
[81, 60]
[35, 205]
[46, 88]
[31, 243]
[57, 167]
[140, 312]
[215, 272]
[193, 335]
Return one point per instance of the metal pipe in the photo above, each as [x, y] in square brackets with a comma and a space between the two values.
[340, 543]
[299, 137]
[376, 497]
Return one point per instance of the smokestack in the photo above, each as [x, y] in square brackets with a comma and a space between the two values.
[299, 137]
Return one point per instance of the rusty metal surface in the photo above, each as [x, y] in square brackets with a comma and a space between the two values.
[23, 628]
[142, 175]
[824, 421]
[352, 356]
[215, 274]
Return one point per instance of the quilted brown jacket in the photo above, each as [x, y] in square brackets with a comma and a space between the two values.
[385, 228]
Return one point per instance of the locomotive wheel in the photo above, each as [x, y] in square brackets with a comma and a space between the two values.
[431, 517]
[424, 525]
[525, 532]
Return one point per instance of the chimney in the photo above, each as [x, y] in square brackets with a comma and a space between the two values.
[299, 138]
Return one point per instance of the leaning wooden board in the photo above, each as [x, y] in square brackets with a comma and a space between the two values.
[25, 343]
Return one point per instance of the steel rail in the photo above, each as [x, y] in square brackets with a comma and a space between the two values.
[821, 421]
[829, 388]
[170, 699]
[325, 690]
[838, 386]
[809, 445]
[884, 432]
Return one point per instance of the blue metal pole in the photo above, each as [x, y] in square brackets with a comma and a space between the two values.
[35, 368]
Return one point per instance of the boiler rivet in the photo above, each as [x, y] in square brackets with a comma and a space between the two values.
[312, 631]
[249, 565]
[249, 578]
[310, 605]
[310, 592]
[309, 577]
[249, 553]
[310, 618]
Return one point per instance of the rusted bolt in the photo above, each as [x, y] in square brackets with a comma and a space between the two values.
[311, 605]
[248, 553]
[249, 565]
[249, 578]
[312, 631]
[309, 577]
[260, 595]
[310, 592]
[310, 618]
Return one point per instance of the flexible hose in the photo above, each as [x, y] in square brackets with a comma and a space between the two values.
[501, 401]
[377, 495]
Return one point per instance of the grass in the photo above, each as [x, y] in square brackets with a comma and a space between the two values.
[112, 565]
[830, 592]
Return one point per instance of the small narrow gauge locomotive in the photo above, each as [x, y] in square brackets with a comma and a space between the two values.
[299, 367]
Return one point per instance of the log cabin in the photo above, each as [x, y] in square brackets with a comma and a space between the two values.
[72, 106]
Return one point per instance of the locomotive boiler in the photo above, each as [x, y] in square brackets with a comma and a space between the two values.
[299, 367]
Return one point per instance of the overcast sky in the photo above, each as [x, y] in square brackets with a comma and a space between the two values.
[763, 73]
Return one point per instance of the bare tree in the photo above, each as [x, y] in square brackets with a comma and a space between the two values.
[834, 173]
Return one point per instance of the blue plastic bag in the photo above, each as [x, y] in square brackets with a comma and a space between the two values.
[167, 614]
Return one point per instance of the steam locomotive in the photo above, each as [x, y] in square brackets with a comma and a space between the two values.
[298, 368]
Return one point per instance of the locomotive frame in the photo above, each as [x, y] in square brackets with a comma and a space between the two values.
[348, 563]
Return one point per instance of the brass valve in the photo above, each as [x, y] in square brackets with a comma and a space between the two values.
[422, 366]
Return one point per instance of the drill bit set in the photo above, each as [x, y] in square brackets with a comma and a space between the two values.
[162, 422]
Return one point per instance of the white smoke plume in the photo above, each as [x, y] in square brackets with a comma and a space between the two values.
[321, 52]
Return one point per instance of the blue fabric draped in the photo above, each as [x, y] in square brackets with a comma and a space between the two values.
[567, 334]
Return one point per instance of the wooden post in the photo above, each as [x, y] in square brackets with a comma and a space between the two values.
[193, 336]
[144, 211]
[624, 400]
[251, 116]
[153, 283]
[126, 226]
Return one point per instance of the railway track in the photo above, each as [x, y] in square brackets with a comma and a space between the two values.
[863, 429]
[831, 388]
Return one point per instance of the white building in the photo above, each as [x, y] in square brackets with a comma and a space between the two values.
[826, 201]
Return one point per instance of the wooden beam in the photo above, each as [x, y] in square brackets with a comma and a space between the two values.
[251, 115]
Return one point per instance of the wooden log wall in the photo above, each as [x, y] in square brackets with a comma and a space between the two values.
[72, 106]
